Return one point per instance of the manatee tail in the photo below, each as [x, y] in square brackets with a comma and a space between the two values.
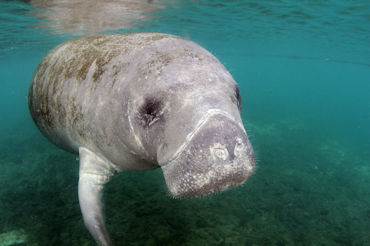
[94, 173]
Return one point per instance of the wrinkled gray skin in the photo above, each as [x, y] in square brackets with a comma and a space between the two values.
[142, 101]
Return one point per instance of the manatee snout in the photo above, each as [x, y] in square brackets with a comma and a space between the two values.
[217, 156]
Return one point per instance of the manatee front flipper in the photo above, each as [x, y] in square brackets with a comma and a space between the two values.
[94, 173]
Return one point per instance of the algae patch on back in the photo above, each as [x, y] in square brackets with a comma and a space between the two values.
[89, 51]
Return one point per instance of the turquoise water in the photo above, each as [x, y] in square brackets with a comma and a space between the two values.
[303, 68]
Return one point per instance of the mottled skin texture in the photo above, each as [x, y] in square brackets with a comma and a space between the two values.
[142, 101]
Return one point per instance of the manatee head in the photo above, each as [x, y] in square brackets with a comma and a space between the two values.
[197, 137]
[187, 118]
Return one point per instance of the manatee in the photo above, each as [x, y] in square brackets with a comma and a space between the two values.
[141, 101]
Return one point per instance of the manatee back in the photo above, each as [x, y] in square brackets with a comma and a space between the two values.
[76, 87]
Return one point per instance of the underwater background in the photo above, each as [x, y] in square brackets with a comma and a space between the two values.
[303, 68]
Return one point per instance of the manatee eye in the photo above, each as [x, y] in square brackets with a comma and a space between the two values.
[149, 112]
[238, 97]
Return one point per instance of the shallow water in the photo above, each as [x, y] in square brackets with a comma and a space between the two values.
[303, 68]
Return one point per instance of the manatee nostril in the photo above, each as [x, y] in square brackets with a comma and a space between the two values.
[219, 151]
[239, 147]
